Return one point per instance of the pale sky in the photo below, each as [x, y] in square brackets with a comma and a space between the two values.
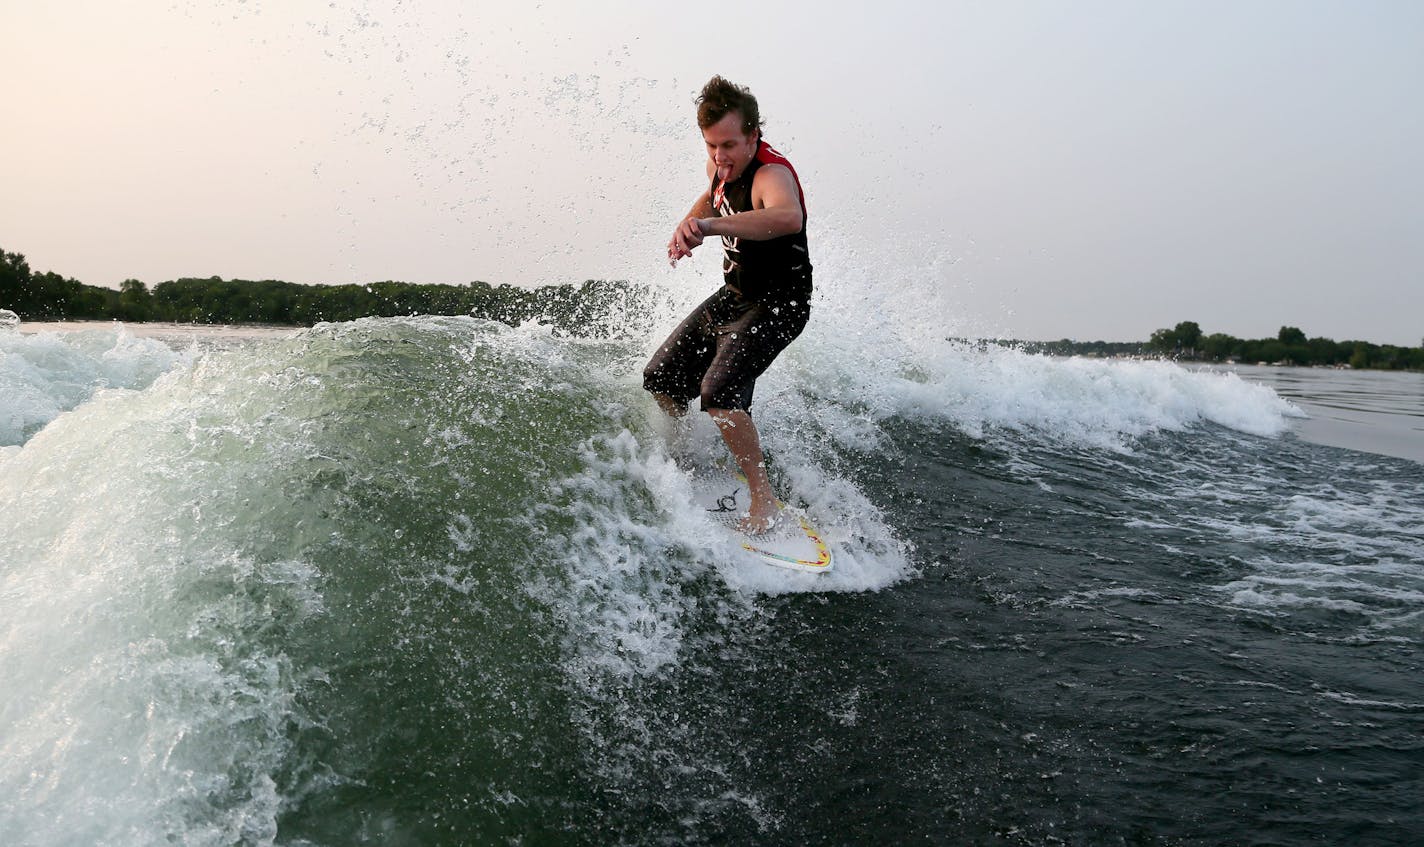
[1093, 170]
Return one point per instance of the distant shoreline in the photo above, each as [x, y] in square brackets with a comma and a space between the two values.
[1187, 344]
[594, 307]
[1063, 348]
[160, 329]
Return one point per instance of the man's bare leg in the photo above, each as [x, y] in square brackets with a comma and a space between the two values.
[673, 408]
[740, 434]
[671, 427]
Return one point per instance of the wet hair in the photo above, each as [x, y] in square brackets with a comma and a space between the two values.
[719, 97]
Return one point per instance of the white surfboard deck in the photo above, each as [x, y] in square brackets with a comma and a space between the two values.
[792, 543]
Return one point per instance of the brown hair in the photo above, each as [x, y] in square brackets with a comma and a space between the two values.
[719, 97]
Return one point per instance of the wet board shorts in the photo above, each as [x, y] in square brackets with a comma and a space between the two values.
[721, 348]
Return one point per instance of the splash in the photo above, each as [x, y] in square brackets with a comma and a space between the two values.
[45, 374]
[327, 584]
[218, 582]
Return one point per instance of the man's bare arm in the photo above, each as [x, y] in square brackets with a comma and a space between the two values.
[702, 208]
[688, 234]
[776, 209]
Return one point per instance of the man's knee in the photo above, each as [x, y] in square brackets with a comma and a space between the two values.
[670, 405]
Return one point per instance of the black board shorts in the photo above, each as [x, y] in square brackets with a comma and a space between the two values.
[721, 348]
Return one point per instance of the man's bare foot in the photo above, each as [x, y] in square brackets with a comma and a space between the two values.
[759, 519]
[740, 435]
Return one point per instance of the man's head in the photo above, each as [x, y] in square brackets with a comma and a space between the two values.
[719, 97]
[731, 125]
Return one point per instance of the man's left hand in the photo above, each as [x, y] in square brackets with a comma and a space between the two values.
[689, 234]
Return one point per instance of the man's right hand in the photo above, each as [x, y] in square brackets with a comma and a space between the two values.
[687, 236]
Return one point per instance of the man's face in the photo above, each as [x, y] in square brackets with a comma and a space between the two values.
[728, 148]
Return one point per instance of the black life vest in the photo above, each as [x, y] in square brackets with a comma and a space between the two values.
[775, 269]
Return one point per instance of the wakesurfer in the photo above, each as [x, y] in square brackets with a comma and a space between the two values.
[754, 203]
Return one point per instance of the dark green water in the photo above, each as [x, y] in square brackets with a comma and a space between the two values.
[429, 581]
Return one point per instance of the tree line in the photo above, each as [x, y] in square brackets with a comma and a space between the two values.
[596, 306]
[1290, 346]
[1186, 341]
[601, 307]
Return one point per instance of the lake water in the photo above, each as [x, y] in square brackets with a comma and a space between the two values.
[1374, 411]
[1371, 411]
[438, 581]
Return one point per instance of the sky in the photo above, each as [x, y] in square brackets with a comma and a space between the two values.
[1087, 170]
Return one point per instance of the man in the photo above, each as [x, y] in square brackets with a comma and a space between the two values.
[755, 204]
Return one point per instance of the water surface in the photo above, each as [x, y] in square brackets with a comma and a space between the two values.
[438, 581]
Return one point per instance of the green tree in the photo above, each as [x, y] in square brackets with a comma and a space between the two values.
[1163, 341]
[1290, 335]
[1189, 335]
[1360, 358]
[1185, 337]
[135, 301]
[1323, 351]
[1219, 345]
[16, 285]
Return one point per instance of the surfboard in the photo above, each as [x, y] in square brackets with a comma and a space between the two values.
[792, 543]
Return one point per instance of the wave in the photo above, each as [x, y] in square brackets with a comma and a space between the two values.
[319, 583]
[43, 375]
[883, 352]
[205, 577]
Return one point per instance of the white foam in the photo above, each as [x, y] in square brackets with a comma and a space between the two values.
[1353, 544]
[632, 564]
[44, 374]
[881, 345]
[1101, 403]
[1352, 699]
[135, 710]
